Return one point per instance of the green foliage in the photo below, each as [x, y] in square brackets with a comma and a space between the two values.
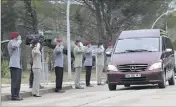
[5, 72]
[174, 44]
[9, 16]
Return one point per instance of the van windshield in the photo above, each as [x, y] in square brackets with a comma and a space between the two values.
[137, 45]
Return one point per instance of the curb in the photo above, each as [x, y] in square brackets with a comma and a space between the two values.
[28, 94]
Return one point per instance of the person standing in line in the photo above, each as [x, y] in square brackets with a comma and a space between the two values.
[108, 55]
[58, 58]
[88, 63]
[31, 76]
[78, 53]
[99, 62]
[14, 51]
[36, 67]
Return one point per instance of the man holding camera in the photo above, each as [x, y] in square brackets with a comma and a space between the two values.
[36, 67]
[58, 58]
[31, 77]
[14, 64]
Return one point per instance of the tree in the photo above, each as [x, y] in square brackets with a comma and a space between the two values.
[118, 15]
[8, 18]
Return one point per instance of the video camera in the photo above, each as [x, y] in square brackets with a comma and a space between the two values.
[44, 42]
[31, 37]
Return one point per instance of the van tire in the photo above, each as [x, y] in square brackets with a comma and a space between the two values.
[112, 87]
[172, 80]
[163, 83]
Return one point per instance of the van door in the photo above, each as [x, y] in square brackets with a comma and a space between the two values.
[169, 58]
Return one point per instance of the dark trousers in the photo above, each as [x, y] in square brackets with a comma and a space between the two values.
[15, 81]
[59, 77]
[88, 74]
[31, 77]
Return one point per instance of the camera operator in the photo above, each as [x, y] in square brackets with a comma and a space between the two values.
[31, 77]
[36, 67]
[14, 64]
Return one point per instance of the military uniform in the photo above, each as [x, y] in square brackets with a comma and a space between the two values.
[78, 53]
[108, 55]
[36, 67]
[88, 64]
[99, 64]
[58, 58]
[15, 66]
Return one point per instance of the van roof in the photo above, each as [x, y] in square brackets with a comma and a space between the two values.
[140, 33]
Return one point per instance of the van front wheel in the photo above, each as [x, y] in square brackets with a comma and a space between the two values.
[162, 84]
[112, 87]
[172, 80]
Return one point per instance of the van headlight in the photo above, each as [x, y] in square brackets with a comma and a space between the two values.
[157, 65]
[108, 53]
[112, 68]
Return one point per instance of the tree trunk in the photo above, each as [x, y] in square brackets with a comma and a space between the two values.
[30, 16]
[99, 21]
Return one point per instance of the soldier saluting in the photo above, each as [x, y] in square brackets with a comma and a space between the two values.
[14, 64]
[88, 62]
[58, 64]
[99, 62]
[78, 53]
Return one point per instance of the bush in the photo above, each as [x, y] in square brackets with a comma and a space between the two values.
[5, 72]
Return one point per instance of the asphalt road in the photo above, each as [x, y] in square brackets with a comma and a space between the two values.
[149, 95]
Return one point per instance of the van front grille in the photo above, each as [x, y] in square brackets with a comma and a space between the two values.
[134, 79]
[132, 67]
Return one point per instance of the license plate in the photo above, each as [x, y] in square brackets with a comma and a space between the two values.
[132, 75]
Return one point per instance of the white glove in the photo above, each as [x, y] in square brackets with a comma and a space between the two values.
[38, 46]
[102, 47]
[55, 40]
[19, 37]
[81, 44]
[19, 41]
[30, 45]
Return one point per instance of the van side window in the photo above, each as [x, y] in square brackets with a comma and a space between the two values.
[169, 44]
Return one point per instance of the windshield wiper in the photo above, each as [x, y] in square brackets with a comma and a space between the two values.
[137, 50]
[142, 50]
[126, 51]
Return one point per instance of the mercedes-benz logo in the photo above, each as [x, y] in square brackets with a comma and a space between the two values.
[132, 68]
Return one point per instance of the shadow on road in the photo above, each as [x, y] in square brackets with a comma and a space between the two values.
[139, 87]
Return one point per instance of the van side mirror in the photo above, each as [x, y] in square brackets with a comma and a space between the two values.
[108, 54]
[168, 50]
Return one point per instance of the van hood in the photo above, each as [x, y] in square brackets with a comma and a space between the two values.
[136, 58]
